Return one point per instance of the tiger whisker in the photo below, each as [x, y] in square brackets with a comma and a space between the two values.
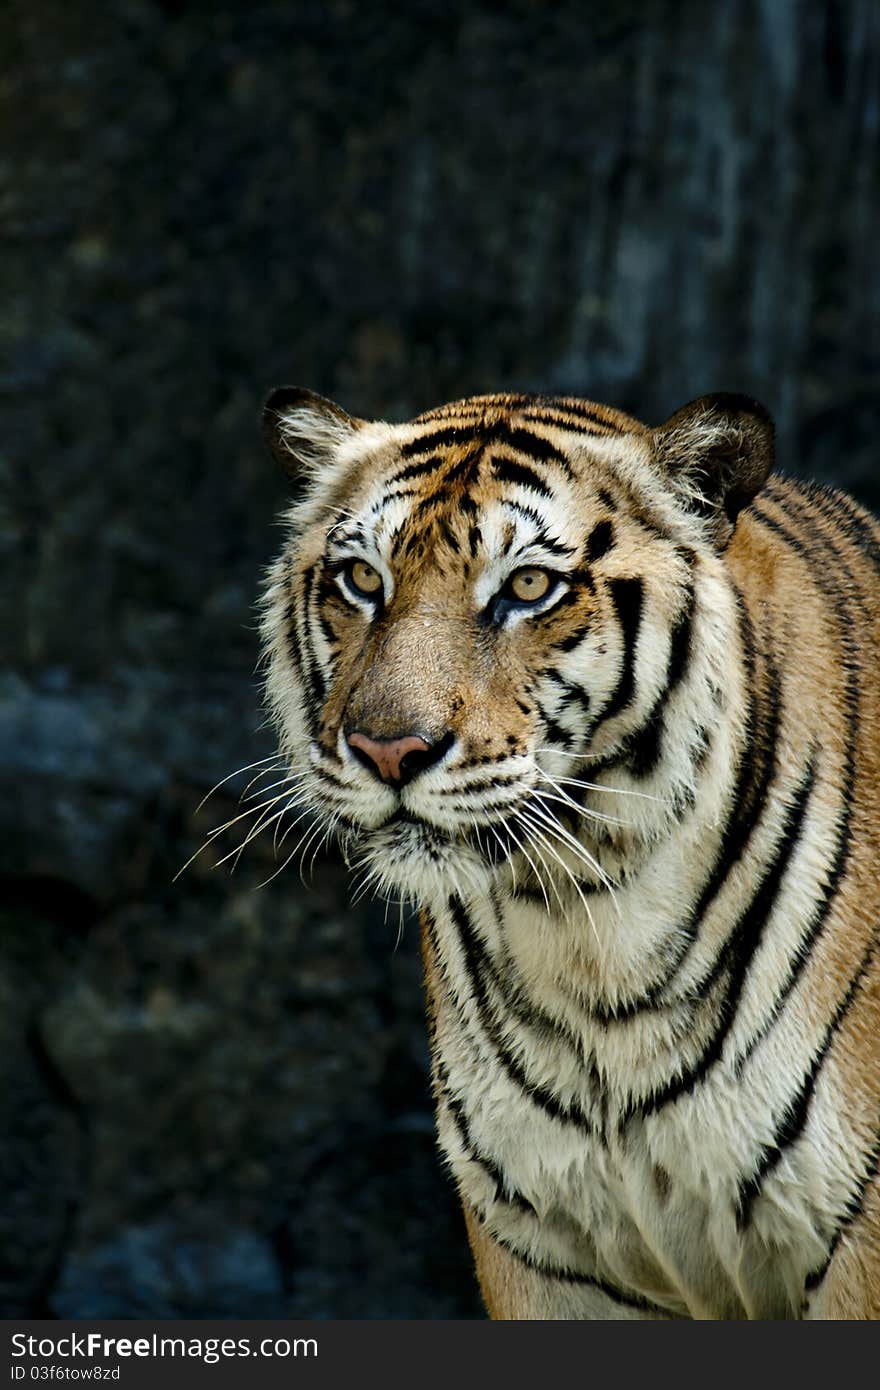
[252, 834]
[399, 925]
[283, 866]
[531, 862]
[273, 758]
[218, 830]
[539, 834]
[371, 876]
[565, 800]
[257, 829]
[552, 827]
[530, 834]
[476, 826]
[601, 787]
[325, 840]
[505, 854]
[265, 773]
[310, 838]
[264, 825]
[574, 845]
[299, 778]
[251, 811]
[309, 810]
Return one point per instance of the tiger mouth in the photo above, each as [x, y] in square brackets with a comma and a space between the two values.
[406, 826]
[403, 816]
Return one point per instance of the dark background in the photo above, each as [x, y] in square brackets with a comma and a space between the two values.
[214, 1100]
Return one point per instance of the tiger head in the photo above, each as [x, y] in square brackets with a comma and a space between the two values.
[475, 607]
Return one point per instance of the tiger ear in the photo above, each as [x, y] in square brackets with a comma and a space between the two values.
[303, 431]
[718, 451]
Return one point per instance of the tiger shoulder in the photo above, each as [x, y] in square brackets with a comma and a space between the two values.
[604, 699]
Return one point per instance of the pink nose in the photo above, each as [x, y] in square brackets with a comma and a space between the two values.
[394, 760]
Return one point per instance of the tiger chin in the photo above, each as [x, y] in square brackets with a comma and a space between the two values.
[604, 698]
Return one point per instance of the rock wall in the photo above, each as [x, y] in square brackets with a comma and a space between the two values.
[215, 1097]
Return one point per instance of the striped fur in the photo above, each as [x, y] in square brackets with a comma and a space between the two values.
[647, 859]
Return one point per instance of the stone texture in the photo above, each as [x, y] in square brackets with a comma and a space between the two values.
[215, 1097]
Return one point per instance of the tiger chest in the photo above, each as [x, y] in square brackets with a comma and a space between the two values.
[647, 1208]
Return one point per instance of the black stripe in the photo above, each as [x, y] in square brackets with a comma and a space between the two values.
[335, 781]
[852, 1210]
[754, 775]
[554, 547]
[516, 999]
[644, 747]
[838, 510]
[572, 694]
[471, 510]
[503, 1187]
[327, 592]
[534, 446]
[843, 843]
[643, 750]
[738, 953]
[437, 439]
[581, 410]
[700, 747]
[427, 504]
[570, 599]
[627, 596]
[796, 1113]
[574, 639]
[465, 467]
[856, 526]
[756, 772]
[528, 513]
[508, 982]
[811, 558]
[415, 470]
[560, 421]
[294, 650]
[555, 731]
[600, 540]
[860, 527]
[507, 470]
[448, 535]
[488, 784]
[477, 965]
[455, 1106]
[391, 496]
[571, 1276]
[314, 681]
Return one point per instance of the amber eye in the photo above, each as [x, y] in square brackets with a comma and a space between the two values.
[529, 585]
[364, 579]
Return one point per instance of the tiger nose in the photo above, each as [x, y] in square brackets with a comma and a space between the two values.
[394, 760]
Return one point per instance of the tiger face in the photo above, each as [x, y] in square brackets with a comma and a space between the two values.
[472, 606]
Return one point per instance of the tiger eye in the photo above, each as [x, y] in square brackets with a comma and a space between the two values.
[364, 578]
[529, 585]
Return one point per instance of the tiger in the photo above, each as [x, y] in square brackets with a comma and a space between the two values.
[603, 700]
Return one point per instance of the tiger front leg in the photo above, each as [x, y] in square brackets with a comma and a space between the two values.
[513, 1290]
[849, 1289]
